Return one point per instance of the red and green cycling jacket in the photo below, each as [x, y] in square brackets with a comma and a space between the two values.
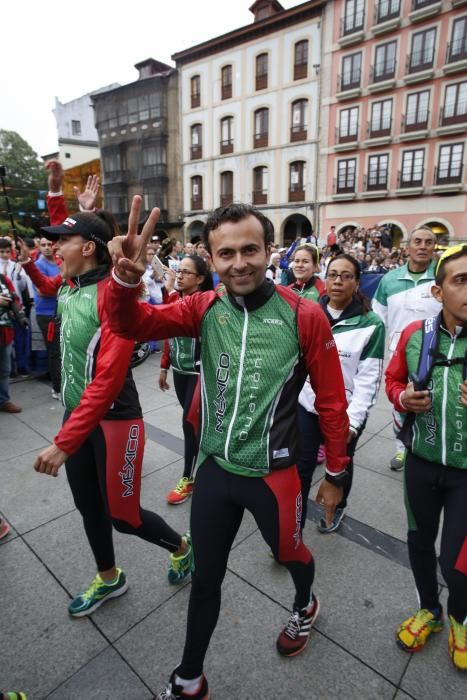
[96, 382]
[313, 289]
[440, 434]
[255, 354]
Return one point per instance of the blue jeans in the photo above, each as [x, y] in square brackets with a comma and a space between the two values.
[5, 369]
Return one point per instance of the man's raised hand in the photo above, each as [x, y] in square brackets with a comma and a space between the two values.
[129, 252]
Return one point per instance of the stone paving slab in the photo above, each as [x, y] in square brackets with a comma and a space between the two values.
[16, 438]
[40, 645]
[242, 660]
[376, 454]
[167, 418]
[106, 677]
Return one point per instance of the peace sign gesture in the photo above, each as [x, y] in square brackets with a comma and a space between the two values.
[128, 252]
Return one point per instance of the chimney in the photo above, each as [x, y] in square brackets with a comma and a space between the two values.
[265, 8]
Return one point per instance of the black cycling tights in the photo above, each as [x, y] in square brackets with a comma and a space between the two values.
[219, 500]
[105, 479]
[430, 489]
[185, 385]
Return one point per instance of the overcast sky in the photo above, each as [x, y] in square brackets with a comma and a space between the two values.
[67, 49]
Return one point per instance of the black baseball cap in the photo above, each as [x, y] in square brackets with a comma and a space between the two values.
[81, 224]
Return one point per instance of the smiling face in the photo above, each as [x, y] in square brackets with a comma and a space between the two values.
[303, 266]
[239, 254]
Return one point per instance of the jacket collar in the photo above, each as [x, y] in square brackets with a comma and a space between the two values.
[90, 277]
[355, 308]
[257, 298]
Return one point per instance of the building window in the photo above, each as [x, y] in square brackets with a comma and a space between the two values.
[143, 107]
[226, 82]
[457, 48]
[418, 4]
[227, 135]
[297, 181]
[195, 87]
[75, 127]
[385, 62]
[353, 16]
[298, 131]
[351, 71]
[154, 160]
[455, 104]
[412, 168]
[116, 203]
[196, 140]
[112, 162]
[381, 118]
[386, 10]
[377, 178]
[450, 164]
[261, 71]
[346, 175]
[348, 125]
[197, 192]
[261, 128]
[226, 188]
[416, 115]
[260, 185]
[422, 52]
[300, 67]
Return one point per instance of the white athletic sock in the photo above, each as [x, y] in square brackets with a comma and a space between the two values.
[190, 686]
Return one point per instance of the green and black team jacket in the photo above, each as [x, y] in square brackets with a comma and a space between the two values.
[255, 354]
[440, 434]
[183, 354]
[96, 382]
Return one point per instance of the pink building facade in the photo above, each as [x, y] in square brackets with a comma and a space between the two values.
[394, 116]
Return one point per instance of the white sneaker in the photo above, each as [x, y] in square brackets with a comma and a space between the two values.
[54, 395]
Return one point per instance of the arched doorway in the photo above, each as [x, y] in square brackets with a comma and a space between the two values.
[195, 230]
[395, 231]
[294, 226]
[441, 232]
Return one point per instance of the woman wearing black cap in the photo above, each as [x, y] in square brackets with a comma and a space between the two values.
[101, 441]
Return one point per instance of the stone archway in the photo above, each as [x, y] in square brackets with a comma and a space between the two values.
[441, 232]
[295, 225]
[395, 230]
[195, 230]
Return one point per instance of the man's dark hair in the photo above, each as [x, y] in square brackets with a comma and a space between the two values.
[5, 243]
[441, 268]
[236, 212]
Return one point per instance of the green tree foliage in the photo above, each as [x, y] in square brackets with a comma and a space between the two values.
[25, 175]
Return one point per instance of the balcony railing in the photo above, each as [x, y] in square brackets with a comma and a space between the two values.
[375, 181]
[346, 137]
[153, 171]
[226, 91]
[386, 10]
[298, 132]
[195, 99]
[385, 72]
[300, 70]
[344, 185]
[414, 180]
[226, 199]
[380, 128]
[349, 81]
[456, 50]
[115, 176]
[416, 122]
[260, 197]
[261, 139]
[352, 23]
[196, 152]
[296, 193]
[459, 115]
[196, 203]
[419, 61]
[226, 146]
[445, 176]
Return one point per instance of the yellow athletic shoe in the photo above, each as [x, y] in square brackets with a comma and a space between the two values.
[458, 644]
[412, 633]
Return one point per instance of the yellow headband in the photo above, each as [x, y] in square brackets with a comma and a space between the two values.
[447, 254]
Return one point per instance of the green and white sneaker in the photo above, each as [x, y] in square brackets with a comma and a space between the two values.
[397, 462]
[181, 567]
[97, 593]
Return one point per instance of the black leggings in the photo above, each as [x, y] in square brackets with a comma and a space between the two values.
[310, 438]
[105, 479]
[185, 385]
[219, 500]
[53, 349]
[429, 489]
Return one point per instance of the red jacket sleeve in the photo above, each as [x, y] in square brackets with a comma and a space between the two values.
[132, 320]
[57, 209]
[47, 286]
[397, 373]
[320, 286]
[165, 359]
[111, 369]
[323, 366]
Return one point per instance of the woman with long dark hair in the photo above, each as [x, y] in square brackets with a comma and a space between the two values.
[101, 441]
[359, 335]
[183, 354]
